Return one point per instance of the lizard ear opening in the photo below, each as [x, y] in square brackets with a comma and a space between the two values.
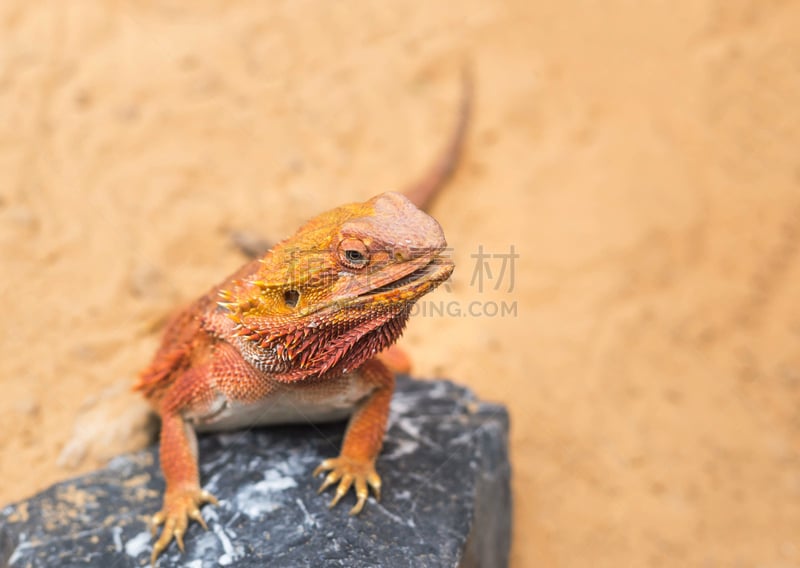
[291, 297]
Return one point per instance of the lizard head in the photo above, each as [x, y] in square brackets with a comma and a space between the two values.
[339, 290]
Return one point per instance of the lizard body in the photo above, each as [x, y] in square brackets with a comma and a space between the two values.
[298, 335]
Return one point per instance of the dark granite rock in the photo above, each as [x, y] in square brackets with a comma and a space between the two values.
[446, 498]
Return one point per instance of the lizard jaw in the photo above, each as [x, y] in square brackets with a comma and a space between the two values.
[435, 271]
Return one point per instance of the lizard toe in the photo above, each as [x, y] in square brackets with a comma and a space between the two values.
[350, 472]
[180, 506]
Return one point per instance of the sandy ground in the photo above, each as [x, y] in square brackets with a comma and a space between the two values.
[642, 159]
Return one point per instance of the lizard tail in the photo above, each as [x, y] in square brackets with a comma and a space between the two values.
[422, 192]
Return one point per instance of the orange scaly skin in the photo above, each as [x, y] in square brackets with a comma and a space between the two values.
[303, 333]
[294, 336]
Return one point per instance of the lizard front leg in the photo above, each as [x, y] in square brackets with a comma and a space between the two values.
[222, 366]
[183, 496]
[362, 440]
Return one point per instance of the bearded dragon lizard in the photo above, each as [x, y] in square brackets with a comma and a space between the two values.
[298, 335]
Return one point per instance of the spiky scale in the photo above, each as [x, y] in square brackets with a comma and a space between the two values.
[207, 354]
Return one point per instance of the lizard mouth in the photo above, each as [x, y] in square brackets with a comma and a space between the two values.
[436, 270]
[419, 277]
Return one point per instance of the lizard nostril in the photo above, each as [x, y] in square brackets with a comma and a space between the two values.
[291, 297]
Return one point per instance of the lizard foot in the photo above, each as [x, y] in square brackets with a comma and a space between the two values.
[349, 471]
[179, 506]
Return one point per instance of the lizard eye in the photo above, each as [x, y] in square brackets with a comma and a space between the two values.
[353, 254]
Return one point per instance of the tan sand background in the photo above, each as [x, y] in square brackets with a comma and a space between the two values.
[642, 157]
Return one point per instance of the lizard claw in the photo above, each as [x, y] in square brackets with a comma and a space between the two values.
[349, 472]
[179, 506]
